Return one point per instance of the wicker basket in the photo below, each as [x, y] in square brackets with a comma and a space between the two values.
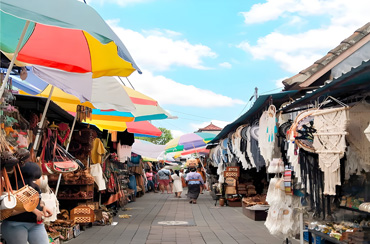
[230, 181]
[82, 214]
[5, 213]
[27, 199]
[233, 174]
[233, 168]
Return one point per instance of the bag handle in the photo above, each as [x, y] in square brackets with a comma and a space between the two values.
[15, 175]
[7, 183]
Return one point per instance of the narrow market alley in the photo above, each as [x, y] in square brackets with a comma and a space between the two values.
[196, 223]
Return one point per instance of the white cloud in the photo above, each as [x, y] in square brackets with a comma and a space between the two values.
[170, 92]
[177, 133]
[279, 82]
[225, 65]
[218, 123]
[155, 50]
[295, 52]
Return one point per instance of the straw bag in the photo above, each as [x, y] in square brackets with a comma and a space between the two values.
[27, 197]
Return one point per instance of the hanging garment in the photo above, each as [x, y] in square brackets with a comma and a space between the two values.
[97, 151]
[113, 136]
[97, 172]
[293, 156]
[329, 142]
[124, 152]
[248, 148]
[125, 138]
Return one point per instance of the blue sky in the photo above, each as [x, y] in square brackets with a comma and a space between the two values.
[202, 59]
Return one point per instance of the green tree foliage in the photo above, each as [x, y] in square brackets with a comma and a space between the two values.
[161, 140]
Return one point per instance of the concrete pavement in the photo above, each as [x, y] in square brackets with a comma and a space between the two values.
[162, 218]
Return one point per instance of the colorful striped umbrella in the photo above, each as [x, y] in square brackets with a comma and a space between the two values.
[63, 34]
[189, 141]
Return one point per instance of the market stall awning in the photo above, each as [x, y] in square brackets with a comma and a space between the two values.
[258, 106]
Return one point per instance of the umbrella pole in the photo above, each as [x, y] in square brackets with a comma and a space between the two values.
[70, 134]
[38, 135]
[69, 142]
[5, 81]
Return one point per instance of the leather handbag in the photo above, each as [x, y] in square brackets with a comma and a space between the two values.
[62, 160]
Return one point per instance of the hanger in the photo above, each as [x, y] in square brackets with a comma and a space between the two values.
[334, 99]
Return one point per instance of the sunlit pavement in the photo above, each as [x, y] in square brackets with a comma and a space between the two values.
[162, 218]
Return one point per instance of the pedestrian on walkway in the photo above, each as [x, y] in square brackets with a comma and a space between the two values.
[150, 185]
[164, 176]
[195, 181]
[177, 183]
[200, 171]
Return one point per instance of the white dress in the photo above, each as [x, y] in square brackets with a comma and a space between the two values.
[177, 183]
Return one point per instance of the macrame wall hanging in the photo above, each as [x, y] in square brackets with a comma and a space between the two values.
[329, 143]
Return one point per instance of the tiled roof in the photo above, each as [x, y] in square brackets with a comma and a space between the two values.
[309, 75]
[211, 127]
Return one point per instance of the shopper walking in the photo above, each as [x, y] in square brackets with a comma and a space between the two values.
[164, 176]
[200, 171]
[177, 183]
[195, 181]
[150, 185]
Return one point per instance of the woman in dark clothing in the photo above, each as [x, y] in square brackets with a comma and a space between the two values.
[23, 227]
[194, 180]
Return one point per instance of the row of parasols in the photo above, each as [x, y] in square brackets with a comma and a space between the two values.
[73, 58]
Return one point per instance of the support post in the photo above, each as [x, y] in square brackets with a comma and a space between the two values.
[5, 81]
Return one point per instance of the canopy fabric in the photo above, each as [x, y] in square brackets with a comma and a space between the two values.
[202, 150]
[189, 141]
[105, 93]
[142, 128]
[258, 106]
[69, 14]
[147, 149]
[120, 98]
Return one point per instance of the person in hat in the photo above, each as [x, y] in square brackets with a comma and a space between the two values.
[195, 181]
[26, 227]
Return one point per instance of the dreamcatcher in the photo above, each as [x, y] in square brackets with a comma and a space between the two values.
[302, 130]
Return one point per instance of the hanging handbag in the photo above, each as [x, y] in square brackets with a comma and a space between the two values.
[51, 202]
[46, 165]
[27, 197]
[63, 162]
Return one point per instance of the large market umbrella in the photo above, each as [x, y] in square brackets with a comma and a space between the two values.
[62, 34]
[144, 107]
[189, 141]
[147, 149]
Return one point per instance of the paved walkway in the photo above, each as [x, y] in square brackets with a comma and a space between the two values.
[202, 223]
